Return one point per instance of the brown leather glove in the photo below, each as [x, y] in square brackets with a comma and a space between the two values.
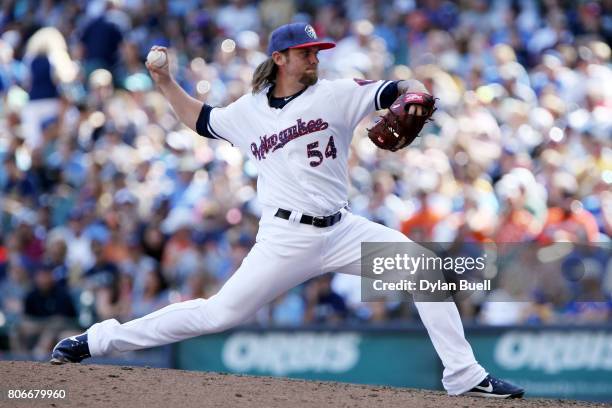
[401, 125]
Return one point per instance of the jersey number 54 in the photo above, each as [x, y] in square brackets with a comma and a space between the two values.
[312, 151]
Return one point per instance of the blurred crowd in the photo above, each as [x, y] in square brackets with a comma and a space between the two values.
[109, 207]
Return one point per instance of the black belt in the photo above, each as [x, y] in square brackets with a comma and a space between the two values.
[321, 222]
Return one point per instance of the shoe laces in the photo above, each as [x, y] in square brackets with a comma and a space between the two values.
[495, 381]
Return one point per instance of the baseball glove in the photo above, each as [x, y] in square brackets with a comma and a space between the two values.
[398, 128]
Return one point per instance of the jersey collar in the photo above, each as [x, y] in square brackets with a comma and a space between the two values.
[279, 103]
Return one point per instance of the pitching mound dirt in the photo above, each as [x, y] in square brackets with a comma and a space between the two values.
[113, 386]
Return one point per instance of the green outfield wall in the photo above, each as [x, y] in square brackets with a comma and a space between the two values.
[553, 362]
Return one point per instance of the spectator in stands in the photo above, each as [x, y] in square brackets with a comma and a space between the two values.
[55, 256]
[152, 296]
[288, 309]
[16, 182]
[200, 284]
[237, 16]
[102, 37]
[420, 226]
[103, 279]
[28, 244]
[49, 63]
[516, 223]
[79, 257]
[13, 290]
[48, 312]
[567, 219]
[323, 305]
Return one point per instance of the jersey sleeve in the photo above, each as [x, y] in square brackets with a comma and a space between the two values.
[356, 98]
[220, 123]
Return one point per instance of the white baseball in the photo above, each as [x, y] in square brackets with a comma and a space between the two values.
[157, 58]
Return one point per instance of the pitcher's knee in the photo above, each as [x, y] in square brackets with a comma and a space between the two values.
[218, 316]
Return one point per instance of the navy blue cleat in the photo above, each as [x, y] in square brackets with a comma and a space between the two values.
[71, 350]
[491, 387]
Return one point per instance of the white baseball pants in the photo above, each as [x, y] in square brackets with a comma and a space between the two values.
[286, 254]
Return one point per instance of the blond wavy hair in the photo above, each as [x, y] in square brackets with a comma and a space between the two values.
[265, 73]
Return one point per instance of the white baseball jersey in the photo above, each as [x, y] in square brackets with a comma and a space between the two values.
[301, 150]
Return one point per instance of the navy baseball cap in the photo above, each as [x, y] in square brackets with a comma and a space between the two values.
[295, 35]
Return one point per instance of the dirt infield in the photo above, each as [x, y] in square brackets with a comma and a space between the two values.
[113, 386]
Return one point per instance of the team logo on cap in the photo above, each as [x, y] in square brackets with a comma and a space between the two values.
[311, 32]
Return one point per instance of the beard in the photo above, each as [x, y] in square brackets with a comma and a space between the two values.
[309, 78]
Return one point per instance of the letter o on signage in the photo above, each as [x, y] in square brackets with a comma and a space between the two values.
[513, 350]
[240, 352]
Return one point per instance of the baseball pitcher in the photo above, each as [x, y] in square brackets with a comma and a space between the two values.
[297, 129]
